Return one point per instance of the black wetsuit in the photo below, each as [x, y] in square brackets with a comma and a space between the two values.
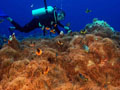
[48, 20]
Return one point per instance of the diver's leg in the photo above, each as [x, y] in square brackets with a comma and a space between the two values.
[44, 32]
[57, 29]
[50, 34]
[28, 27]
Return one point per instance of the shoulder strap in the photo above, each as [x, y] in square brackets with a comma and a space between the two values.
[45, 3]
[55, 16]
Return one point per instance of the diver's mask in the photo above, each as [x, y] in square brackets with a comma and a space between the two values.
[60, 16]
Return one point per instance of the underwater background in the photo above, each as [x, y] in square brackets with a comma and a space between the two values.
[86, 59]
[21, 12]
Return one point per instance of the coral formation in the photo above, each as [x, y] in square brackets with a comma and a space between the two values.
[100, 27]
[89, 61]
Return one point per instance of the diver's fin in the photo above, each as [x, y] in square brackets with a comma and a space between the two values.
[2, 14]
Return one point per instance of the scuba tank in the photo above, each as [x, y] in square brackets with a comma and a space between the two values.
[42, 11]
[45, 10]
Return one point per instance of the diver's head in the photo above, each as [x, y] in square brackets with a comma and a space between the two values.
[60, 15]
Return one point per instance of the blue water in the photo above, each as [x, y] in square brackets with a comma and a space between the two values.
[20, 11]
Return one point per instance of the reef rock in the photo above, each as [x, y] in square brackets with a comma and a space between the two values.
[71, 62]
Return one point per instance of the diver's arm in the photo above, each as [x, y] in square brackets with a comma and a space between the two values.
[65, 27]
[60, 24]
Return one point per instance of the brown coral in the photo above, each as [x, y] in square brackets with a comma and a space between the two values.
[61, 66]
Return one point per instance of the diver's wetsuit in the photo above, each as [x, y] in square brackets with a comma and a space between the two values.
[45, 20]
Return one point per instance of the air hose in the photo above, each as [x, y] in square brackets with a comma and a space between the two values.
[45, 3]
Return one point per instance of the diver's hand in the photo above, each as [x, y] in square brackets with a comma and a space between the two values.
[66, 27]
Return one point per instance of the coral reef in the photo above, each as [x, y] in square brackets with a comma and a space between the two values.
[101, 28]
[89, 61]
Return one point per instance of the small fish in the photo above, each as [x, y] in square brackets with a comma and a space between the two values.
[38, 52]
[32, 5]
[1, 20]
[46, 71]
[86, 48]
[13, 36]
[10, 38]
[83, 31]
[68, 24]
[32, 44]
[83, 78]
[55, 25]
[56, 54]
[59, 43]
[52, 31]
[47, 28]
[88, 11]
[4, 39]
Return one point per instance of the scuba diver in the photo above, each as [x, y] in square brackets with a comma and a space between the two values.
[46, 18]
